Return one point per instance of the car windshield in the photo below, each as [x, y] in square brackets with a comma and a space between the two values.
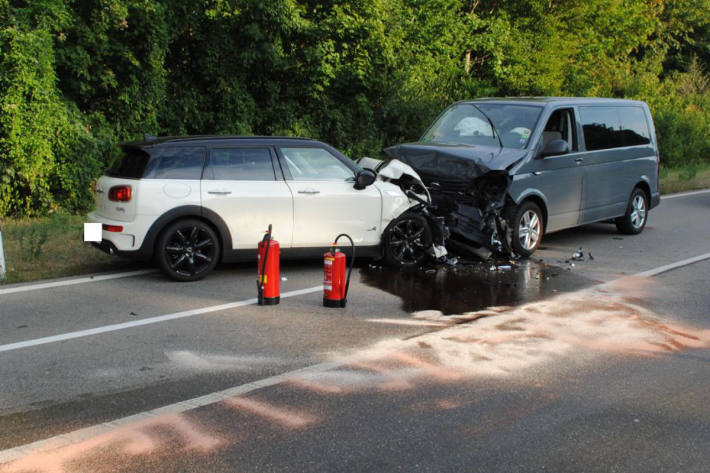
[466, 124]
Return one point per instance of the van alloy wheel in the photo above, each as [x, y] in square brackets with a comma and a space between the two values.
[529, 230]
[636, 216]
[638, 212]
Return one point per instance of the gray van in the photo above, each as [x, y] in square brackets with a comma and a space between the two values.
[502, 172]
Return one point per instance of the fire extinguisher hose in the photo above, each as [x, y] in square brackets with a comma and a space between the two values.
[352, 259]
[264, 241]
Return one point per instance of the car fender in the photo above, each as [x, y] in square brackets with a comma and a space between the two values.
[394, 202]
[185, 211]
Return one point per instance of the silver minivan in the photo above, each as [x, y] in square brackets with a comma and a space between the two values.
[503, 172]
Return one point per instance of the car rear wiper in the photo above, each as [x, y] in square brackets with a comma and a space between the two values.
[493, 127]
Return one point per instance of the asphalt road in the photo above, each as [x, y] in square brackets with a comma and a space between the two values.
[535, 368]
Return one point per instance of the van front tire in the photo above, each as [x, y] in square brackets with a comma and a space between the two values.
[526, 228]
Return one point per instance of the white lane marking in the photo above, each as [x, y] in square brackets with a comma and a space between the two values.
[77, 436]
[684, 194]
[71, 282]
[146, 321]
[672, 266]
[215, 397]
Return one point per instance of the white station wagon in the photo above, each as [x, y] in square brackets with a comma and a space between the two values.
[193, 202]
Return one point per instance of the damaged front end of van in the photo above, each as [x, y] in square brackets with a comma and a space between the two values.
[469, 191]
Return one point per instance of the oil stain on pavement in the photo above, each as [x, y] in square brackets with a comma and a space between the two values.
[468, 287]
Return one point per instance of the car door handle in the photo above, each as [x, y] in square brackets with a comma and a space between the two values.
[308, 191]
[219, 192]
[537, 173]
[578, 160]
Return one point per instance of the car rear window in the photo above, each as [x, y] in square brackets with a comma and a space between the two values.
[130, 164]
[175, 163]
[240, 164]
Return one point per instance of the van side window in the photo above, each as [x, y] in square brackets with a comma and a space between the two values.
[175, 163]
[561, 126]
[240, 164]
[601, 127]
[634, 126]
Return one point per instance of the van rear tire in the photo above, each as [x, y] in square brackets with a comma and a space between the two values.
[634, 220]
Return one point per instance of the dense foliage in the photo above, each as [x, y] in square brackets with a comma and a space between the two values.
[77, 76]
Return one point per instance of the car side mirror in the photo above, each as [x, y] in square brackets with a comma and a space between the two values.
[364, 178]
[555, 148]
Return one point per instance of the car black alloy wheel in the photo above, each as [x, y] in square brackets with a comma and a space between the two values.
[407, 240]
[189, 250]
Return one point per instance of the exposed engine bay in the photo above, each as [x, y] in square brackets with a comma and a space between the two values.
[464, 201]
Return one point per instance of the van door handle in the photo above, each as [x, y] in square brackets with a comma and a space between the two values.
[536, 173]
[578, 160]
[219, 192]
[308, 191]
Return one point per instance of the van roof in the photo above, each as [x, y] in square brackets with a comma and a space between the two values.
[548, 100]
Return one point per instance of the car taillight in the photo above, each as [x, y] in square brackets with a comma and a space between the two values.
[112, 228]
[94, 186]
[120, 193]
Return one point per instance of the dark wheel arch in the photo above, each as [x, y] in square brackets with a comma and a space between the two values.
[147, 249]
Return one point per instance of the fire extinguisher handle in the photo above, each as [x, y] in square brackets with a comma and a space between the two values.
[352, 259]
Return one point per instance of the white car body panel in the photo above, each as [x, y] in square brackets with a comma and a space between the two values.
[248, 207]
[324, 209]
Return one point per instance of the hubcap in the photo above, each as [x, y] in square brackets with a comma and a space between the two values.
[406, 241]
[638, 211]
[190, 250]
[529, 230]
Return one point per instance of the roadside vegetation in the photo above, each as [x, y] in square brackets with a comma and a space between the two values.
[52, 247]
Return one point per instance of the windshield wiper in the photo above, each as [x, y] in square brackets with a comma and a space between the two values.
[493, 127]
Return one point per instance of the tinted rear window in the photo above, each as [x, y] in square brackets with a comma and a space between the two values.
[614, 127]
[130, 164]
[175, 163]
[240, 164]
[634, 126]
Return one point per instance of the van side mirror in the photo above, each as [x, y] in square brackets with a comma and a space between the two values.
[555, 148]
[364, 178]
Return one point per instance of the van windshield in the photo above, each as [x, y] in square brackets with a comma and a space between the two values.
[464, 124]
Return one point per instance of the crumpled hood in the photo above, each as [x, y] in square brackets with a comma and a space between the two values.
[455, 161]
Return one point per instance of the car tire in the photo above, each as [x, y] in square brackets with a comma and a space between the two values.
[187, 250]
[634, 220]
[406, 241]
[526, 229]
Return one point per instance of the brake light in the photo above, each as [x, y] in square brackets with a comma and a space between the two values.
[94, 185]
[112, 228]
[120, 193]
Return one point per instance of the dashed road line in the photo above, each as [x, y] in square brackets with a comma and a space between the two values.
[147, 321]
[72, 282]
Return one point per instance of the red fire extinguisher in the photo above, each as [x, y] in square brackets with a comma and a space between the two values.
[268, 277]
[335, 282]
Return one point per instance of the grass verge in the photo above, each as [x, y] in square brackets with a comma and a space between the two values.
[689, 178]
[52, 247]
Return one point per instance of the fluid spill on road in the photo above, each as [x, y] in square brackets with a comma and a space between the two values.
[469, 287]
